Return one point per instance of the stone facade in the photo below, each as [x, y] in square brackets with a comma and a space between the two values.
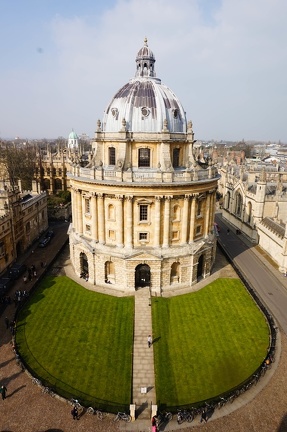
[143, 208]
[255, 202]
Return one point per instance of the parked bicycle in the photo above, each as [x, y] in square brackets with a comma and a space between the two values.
[49, 391]
[163, 417]
[76, 403]
[100, 414]
[122, 416]
[36, 381]
[184, 415]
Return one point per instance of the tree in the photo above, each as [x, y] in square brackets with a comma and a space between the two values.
[19, 164]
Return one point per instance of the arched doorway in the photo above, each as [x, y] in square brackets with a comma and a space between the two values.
[84, 264]
[142, 276]
[200, 266]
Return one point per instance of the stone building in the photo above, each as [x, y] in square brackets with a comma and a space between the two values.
[23, 217]
[53, 163]
[143, 208]
[255, 203]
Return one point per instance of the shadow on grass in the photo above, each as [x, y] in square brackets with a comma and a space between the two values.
[156, 339]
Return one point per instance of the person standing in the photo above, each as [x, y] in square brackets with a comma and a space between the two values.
[7, 323]
[75, 413]
[3, 391]
[149, 341]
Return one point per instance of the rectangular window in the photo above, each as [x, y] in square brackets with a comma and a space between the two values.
[175, 235]
[112, 156]
[198, 229]
[175, 158]
[87, 206]
[143, 212]
[199, 208]
[112, 235]
[143, 236]
[144, 157]
[88, 229]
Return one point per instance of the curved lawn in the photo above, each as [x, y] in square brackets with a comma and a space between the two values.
[79, 342]
[206, 342]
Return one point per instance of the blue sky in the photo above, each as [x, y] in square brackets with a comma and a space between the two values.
[62, 61]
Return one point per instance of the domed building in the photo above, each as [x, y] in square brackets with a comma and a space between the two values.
[143, 208]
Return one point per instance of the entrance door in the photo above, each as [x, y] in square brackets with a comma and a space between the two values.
[200, 267]
[142, 276]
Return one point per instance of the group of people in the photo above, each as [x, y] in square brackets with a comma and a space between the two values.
[19, 296]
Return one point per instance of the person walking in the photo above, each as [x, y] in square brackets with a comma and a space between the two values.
[75, 413]
[3, 391]
[149, 341]
[7, 323]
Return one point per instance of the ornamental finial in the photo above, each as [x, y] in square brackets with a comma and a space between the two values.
[145, 41]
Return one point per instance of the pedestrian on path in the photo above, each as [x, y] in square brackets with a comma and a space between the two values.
[149, 341]
[203, 416]
[3, 391]
[75, 413]
[7, 323]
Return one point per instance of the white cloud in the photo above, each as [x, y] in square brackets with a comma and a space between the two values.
[227, 65]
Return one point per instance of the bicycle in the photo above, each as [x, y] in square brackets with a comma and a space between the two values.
[184, 415]
[76, 403]
[163, 417]
[122, 416]
[49, 391]
[36, 381]
[100, 414]
[20, 364]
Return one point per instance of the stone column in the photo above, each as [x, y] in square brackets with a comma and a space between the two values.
[129, 231]
[74, 198]
[119, 220]
[166, 222]
[192, 219]
[80, 212]
[207, 214]
[94, 218]
[101, 218]
[184, 220]
[157, 221]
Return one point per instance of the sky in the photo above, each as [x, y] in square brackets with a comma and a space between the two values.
[62, 61]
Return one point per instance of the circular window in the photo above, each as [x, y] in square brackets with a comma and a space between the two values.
[145, 111]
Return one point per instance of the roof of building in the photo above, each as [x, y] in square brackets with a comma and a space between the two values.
[144, 104]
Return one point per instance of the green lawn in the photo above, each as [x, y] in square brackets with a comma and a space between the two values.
[79, 342]
[206, 342]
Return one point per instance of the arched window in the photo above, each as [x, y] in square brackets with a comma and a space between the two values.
[176, 213]
[109, 272]
[144, 157]
[238, 204]
[112, 156]
[175, 273]
[28, 228]
[111, 212]
[249, 212]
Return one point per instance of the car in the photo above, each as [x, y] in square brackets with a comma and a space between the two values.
[5, 284]
[17, 270]
[49, 234]
[43, 243]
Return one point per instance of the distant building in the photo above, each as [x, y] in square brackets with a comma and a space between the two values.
[23, 217]
[255, 203]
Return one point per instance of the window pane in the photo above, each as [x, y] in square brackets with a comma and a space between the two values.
[143, 212]
[144, 157]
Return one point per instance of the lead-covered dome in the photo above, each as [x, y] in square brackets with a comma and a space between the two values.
[144, 104]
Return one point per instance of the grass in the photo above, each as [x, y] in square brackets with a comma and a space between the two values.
[206, 342]
[79, 342]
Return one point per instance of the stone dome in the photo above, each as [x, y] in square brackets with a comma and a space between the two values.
[144, 104]
[73, 140]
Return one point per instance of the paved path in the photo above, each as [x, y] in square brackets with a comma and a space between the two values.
[143, 364]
